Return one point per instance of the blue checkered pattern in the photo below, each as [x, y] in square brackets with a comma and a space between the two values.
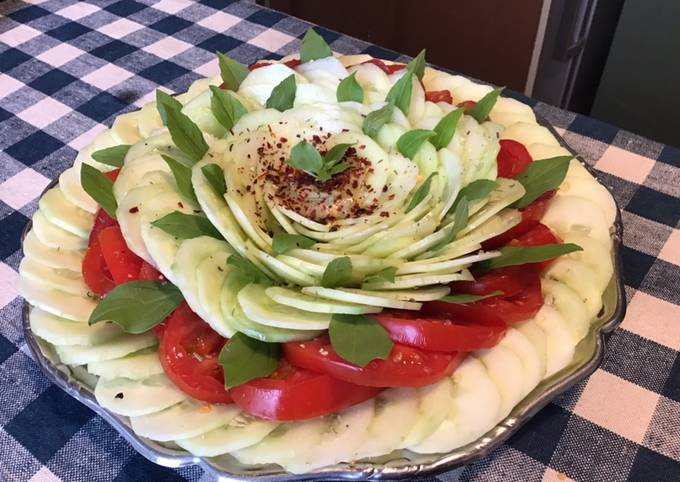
[68, 68]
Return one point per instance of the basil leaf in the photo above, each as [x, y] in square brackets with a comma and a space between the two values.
[462, 299]
[244, 359]
[446, 128]
[460, 217]
[420, 194]
[481, 110]
[137, 306]
[409, 142]
[359, 339]
[337, 272]
[112, 156]
[314, 47]
[336, 153]
[386, 274]
[226, 108]
[165, 102]
[215, 177]
[283, 95]
[247, 271]
[182, 177]
[283, 242]
[232, 72]
[376, 119]
[186, 135]
[186, 226]
[516, 255]
[541, 176]
[99, 187]
[331, 162]
[400, 93]
[305, 157]
[478, 189]
[417, 65]
[350, 90]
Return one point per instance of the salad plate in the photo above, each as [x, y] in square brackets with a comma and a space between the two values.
[73, 376]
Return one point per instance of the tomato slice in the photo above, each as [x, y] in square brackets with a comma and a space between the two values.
[387, 68]
[405, 367]
[292, 63]
[439, 96]
[123, 264]
[531, 215]
[189, 352]
[468, 105]
[293, 393]
[101, 221]
[148, 273]
[95, 272]
[441, 332]
[512, 159]
[509, 280]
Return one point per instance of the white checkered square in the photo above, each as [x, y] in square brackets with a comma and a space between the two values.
[60, 55]
[78, 10]
[271, 40]
[86, 137]
[167, 47]
[44, 112]
[44, 475]
[22, 188]
[171, 6]
[18, 35]
[107, 76]
[120, 28]
[8, 283]
[209, 69]
[8, 85]
[219, 21]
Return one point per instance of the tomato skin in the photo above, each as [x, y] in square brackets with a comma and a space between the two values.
[405, 366]
[148, 273]
[296, 394]
[439, 96]
[441, 333]
[189, 350]
[508, 280]
[95, 272]
[101, 221]
[468, 105]
[292, 63]
[123, 264]
[512, 159]
[389, 69]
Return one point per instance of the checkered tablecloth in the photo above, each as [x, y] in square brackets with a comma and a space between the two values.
[68, 68]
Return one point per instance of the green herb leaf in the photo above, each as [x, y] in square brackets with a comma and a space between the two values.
[400, 93]
[386, 274]
[226, 108]
[409, 142]
[137, 306]
[541, 176]
[359, 339]
[460, 217]
[478, 189]
[165, 102]
[182, 177]
[337, 272]
[462, 299]
[417, 65]
[314, 47]
[376, 119]
[446, 128]
[421, 192]
[186, 135]
[232, 72]
[336, 153]
[481, 110]
[331, 162]
[186, 226]
[516, 255]
[215, 177]
[283, 95]
[246, 271]
[244, 359]
[112, 156]
[350, 90]
[99, 187]
[283, 242]
[305, 157]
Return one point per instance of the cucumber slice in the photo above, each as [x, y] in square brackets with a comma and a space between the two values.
[507, 192]
[64, 214]
[572, 213]
[537, 337]
[70, 282]
[69, 182]
[592, 190]
[507, 372]
[347, 431]
[426, 266]
[296, 299]
[187, 419]
[473, 410]
[282, 269]
[417, 280]
[580, 278]
[198, 110]
[559, 345]
[360, 297]
[135, 366]
[396, 412]
[52, 257]
[242, 431]
[134, 170]
[423, 294]
[538, 150]
[57, 302]
[112, 349]
[124, 129]
[260, 308]
[210, 276]
[528, 355]
[570, 306]
[595, 255]
[527, 133]
[60, 331]
[149, 120]
[55, 237]
[133, 398]
[433, 403]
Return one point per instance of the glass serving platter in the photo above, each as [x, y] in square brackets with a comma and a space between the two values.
[400, 464]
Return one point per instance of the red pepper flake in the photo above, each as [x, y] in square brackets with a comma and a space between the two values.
[179, 203]
[133, 210]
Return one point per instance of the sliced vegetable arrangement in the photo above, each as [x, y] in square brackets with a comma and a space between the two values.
[281, 262]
